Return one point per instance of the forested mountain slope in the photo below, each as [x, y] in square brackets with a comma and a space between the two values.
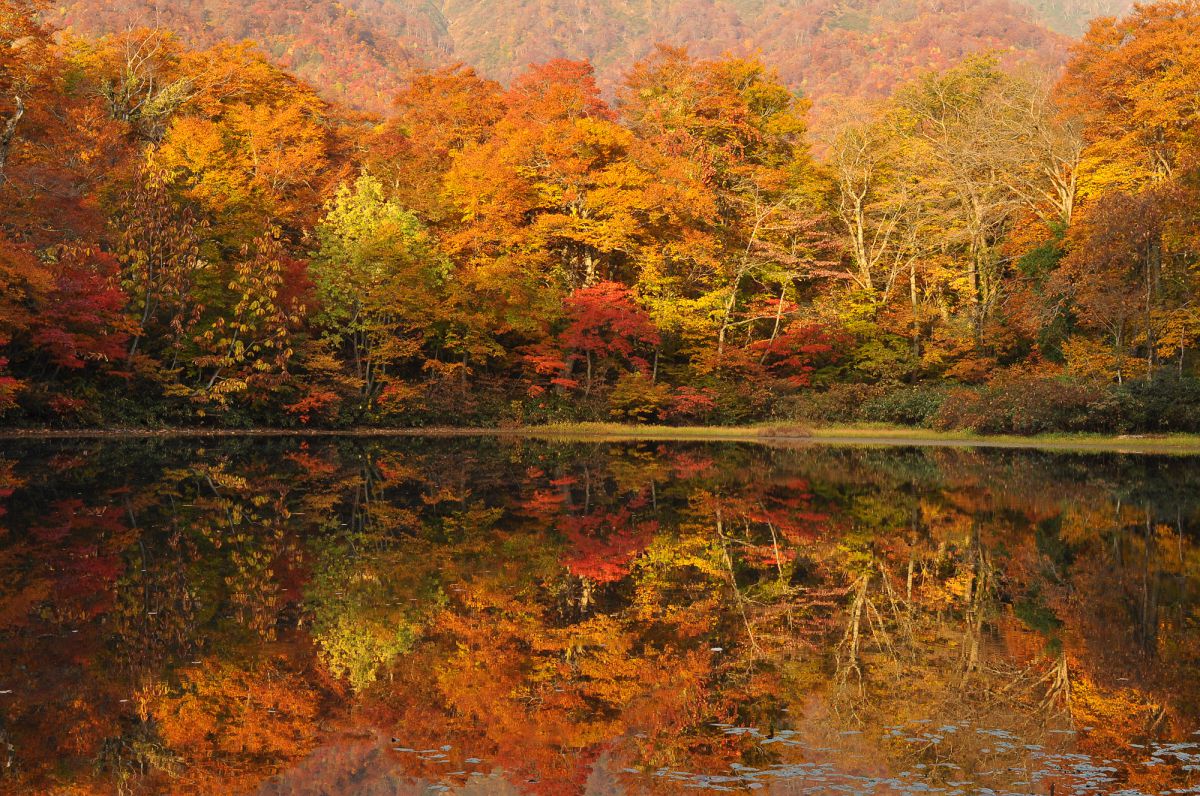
[359, 50]
[1072, 16]
[355, 51]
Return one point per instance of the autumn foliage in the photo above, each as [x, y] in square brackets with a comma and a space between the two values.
[197, 236]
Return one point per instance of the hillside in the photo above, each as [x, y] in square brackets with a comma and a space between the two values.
[358, 50]
[1072, 16]
[354, 51]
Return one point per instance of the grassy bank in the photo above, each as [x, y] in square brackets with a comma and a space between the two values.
[874, 435]
[789, 434]
[900, 436]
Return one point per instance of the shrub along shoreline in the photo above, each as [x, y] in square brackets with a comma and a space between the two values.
[1020, 406]
[1024, 411]
[1016, 406]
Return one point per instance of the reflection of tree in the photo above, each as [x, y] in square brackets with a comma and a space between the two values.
[137, 752]
[548, 609]
[362, 619]
[155, 615]
[8, 484]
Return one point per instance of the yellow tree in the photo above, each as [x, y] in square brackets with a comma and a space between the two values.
[24, 60]
[728, 139]
[377, 273]
[1134, 82]
[249, 146]
[873, 202]
[554, 186]
[953, 131]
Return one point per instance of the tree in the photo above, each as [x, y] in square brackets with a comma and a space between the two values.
[435, 116]
[1041, 146]
[248, 147]
[1111, 280]
[377, 273]
[1133, 82]
[158, 248]
[605, 326]
[952, 126]
[253, 342]
[24, 284]
[873, 202]
[82, 320]
[139, 78]
[555, 187]
[737, 135]
[25, 56]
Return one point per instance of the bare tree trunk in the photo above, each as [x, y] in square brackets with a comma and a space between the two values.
[775, 329]
[916, 321]
[728, 313]
[589, 269]
[1153, 270]
[8, 132]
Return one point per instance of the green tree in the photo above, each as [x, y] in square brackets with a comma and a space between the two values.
[377, 274]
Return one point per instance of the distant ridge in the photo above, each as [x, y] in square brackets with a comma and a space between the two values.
[358, 51]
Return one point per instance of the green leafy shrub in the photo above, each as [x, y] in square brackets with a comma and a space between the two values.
[1021, 406]
[840, 403]
[907, 406]
[1161, 405]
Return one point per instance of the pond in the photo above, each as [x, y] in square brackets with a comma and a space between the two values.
[340, 615]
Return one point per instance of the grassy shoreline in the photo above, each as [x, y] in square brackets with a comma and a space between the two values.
[876, 435]
[789, 434]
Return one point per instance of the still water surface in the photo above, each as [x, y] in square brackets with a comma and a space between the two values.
[338, 616]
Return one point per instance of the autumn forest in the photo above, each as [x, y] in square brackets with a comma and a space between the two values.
[193, 236]
[304, 307]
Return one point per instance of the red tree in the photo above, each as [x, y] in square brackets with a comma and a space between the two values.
[605, 329]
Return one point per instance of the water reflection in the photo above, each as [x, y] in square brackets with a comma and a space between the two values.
[485, 616]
